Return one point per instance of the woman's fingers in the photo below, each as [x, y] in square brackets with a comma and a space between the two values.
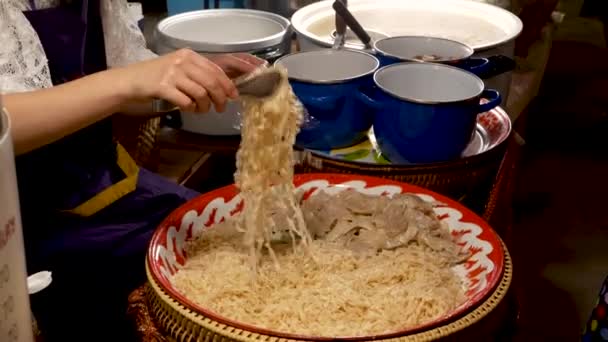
[224, 80]
[251, 59]
[178, 98]
[217, 73]
[237, 64]
[219, 87]
[197, 93]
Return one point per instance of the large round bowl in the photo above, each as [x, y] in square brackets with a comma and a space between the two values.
[480, 273]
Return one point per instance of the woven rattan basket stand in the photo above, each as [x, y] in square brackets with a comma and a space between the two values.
[178, 323]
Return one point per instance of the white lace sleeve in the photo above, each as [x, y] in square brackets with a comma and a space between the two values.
[125, 43]
[23, 63]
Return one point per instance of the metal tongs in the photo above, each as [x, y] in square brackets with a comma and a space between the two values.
[257, 84]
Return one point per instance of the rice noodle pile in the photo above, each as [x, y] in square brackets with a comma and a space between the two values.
[341, 293]
[265, 169]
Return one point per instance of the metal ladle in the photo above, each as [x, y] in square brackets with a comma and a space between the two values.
[340, 38]
[349, 19]
[260, 85]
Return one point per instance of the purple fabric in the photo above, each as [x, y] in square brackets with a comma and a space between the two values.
[122, 229]
[96, 261]
[65, 38]
[82, 164]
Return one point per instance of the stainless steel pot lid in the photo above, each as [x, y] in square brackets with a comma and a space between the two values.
[223, 30]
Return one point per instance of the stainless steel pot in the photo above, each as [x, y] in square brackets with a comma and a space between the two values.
[263, 34]
[266, 35]
[16, 323]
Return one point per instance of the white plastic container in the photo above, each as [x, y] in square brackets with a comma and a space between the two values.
[15, 315]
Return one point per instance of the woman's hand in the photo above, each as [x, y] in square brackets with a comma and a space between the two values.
[188, 80]
[237, 64]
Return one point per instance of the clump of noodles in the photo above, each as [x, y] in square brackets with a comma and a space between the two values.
[265, 169]
[341, 293]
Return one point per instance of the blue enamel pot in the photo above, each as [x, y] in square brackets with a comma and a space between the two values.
[427, 112]
[329, 84]
[438, 50]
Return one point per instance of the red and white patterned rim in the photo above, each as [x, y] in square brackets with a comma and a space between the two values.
[497, 125]
[480, 273]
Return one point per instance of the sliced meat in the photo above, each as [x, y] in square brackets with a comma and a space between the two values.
[415, 202]
[365, 240]
[437, 243]
[366, 223]
[321, 212]
[401, 239]
[356, 202]
[347, 224]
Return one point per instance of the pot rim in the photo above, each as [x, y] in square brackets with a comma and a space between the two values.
[470, 50]
[422, 101]
[238, 46]
[330, 82]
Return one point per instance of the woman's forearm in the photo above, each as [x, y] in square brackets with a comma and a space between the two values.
[184, 78]
[43, 116]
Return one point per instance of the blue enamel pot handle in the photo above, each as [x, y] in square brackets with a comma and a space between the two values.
[487, 67]
[475, 65]
[494, 100]
[322, 102]
[367, 100]
[497, 65]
